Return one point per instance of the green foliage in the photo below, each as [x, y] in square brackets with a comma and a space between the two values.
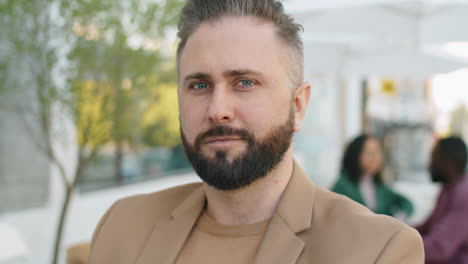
[119, 86]
[119, 50]
[115, 84]
[161, 117]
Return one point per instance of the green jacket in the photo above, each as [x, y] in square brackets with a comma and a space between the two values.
[387, 201]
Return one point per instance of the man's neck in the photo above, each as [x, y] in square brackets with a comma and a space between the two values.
[253, 203]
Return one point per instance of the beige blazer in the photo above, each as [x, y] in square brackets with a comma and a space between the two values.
[78, 254]
[311, 225]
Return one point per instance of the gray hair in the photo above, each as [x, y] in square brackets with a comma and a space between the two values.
[196, 12]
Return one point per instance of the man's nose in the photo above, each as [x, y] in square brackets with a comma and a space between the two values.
[220, 110]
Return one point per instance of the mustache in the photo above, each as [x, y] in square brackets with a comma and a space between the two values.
[219, 131]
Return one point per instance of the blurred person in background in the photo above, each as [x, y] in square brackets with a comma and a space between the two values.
[361, 179]
[241, 99]
[445, 232]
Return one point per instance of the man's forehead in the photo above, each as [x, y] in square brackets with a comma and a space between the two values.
[231, 43]
[240, 31]
[235, 22]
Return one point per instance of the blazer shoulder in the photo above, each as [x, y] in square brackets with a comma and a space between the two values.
[144, 210]
[405, 246]
[129, 222]
[163, 200]
[342, 227]
[343, 213]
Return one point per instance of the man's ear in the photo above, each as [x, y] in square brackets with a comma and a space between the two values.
[301, 100]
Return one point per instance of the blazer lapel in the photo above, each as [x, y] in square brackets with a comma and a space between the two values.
[168, 237]
[281, 245]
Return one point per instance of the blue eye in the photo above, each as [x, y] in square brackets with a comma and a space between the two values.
[245, 83]
[200, 86]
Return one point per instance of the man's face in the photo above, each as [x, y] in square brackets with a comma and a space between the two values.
[236, 101]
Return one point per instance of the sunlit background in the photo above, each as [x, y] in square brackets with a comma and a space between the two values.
[88, 104]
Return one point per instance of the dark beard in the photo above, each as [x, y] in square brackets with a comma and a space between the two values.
[259, 159]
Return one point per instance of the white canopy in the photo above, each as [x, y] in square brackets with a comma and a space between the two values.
[400, 37]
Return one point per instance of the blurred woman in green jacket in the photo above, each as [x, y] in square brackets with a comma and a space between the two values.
[361, 179]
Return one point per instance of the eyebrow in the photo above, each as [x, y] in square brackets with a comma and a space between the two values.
[230, 73]
[197, 76]
[235, 73]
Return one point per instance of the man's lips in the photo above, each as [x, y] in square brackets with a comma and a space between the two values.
[223, 139]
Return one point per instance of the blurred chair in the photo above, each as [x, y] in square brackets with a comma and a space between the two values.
[78, 253]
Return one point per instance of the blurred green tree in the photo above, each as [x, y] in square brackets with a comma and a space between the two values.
[107, 64]
[122, 45]
[121, 57]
